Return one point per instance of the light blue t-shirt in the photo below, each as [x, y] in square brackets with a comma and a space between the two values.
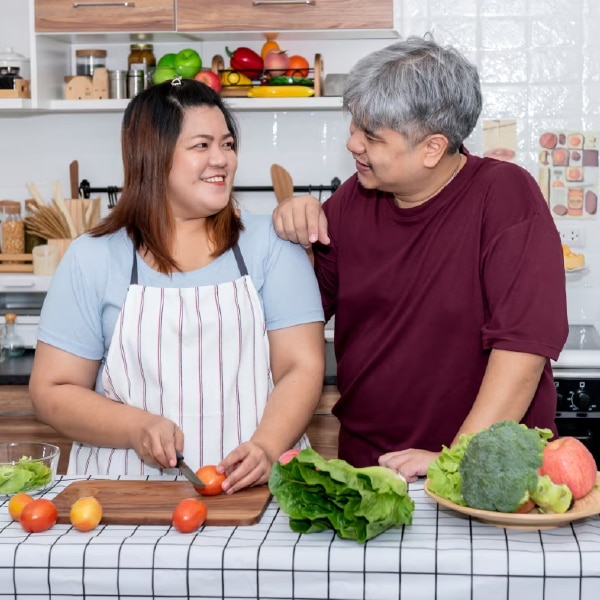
[90, 284]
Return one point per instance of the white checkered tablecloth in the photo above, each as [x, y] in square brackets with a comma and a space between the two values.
[441, 556]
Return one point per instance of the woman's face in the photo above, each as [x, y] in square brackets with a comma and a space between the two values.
[204, 164]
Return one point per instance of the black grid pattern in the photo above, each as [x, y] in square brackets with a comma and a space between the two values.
[441, 556]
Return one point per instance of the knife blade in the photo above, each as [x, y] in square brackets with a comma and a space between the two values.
[187, 472]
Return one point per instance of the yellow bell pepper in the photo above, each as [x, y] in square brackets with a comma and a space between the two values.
[230, 77]
[281, 91]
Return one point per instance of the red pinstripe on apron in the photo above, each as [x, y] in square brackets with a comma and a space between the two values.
[197, 356]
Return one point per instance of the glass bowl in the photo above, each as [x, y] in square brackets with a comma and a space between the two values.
[27, 467]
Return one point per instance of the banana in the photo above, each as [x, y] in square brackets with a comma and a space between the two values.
[281, 91]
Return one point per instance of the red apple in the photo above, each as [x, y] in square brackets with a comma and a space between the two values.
[567, 460]
[209, 78]
[276, 62]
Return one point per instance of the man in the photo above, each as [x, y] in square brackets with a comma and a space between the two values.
[443, 270]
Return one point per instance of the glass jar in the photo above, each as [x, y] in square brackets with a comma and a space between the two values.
[13, 231]
[141, 58]
[89, 59]
[12, 343]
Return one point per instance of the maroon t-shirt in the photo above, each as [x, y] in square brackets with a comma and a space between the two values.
[421, 296]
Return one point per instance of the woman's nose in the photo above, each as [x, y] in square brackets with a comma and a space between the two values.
[354, 144]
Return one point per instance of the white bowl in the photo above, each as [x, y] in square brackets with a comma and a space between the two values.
[27, 467]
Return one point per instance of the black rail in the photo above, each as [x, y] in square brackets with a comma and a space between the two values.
[85, 189]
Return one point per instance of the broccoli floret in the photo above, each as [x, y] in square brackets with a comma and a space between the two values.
[551, 497]
[499, 467]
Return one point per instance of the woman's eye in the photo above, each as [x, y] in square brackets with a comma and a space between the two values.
[228, 145]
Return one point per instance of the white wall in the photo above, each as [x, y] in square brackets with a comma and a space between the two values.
[539, 62]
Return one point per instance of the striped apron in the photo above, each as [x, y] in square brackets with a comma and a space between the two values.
[198, 356]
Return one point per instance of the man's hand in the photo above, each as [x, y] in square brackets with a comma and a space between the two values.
[411, 463]
[300, 219]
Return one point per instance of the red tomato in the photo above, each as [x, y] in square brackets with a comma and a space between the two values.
[17, 503]
[211, 479]
[189, 514]
[40, 514]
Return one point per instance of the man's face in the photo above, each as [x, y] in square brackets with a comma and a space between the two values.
[384, 160]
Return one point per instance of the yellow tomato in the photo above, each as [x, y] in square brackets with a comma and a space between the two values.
[17, 503]
[230, 77]
[85, 513]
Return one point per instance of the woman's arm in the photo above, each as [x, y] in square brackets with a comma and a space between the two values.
[62, 392]
[298, 366]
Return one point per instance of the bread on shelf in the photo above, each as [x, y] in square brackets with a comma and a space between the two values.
[572, 259]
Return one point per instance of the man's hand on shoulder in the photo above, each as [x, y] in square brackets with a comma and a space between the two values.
[300, 219]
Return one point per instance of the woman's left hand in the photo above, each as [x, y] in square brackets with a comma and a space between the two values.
[411, 463]
[245, 466]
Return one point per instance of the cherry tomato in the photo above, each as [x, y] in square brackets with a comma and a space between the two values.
[17, 503]
[298, 66]
[85, 513]
[288, 455]
[211, 479]
[40, 514]
[189, 514]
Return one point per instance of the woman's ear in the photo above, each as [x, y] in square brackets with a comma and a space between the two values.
[435, 148]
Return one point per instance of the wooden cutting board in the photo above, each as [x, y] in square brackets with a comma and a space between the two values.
[133, 502]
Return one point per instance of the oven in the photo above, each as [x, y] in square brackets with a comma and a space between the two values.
[23, 294]
[577, 381]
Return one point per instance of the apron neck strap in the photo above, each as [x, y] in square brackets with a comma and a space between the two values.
[236, 252]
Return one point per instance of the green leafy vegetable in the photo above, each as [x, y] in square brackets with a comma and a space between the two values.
[497, 469]
[357, 504]
[23, 476]
[444, 474]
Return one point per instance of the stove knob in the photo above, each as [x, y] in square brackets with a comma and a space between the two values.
[560, 402]
[582, 400]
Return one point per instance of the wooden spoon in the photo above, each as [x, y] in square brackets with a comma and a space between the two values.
[282, 183]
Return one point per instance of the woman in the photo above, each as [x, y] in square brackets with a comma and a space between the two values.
[170, 325]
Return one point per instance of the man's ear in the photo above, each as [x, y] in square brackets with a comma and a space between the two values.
[435, 146]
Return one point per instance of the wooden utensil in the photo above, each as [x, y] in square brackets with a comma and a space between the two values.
[142, 502]
[74, 178]
[282, 183]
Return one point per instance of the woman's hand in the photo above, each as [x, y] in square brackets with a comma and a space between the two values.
[245, 466]
[155, 438]
[411, 463]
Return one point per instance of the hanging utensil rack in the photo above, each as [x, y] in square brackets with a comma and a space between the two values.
[86, 189]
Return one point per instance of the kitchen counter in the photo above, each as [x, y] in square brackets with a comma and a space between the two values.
[441, 555]
[16, 371]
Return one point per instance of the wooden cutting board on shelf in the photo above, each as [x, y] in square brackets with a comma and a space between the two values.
[141, 502]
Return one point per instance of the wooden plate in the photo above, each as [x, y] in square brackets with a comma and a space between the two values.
[584, 507]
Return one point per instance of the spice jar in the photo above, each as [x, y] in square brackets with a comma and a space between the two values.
[141, 58]
[89, 59]
[11, 342]
[13, 231]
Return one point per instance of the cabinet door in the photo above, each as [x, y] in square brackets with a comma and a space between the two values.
[277, 15]
[104, 15]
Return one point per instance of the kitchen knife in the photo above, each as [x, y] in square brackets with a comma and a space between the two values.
[187, 472]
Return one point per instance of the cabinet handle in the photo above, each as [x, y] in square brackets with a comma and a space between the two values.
[84, 4]
[263, 2]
